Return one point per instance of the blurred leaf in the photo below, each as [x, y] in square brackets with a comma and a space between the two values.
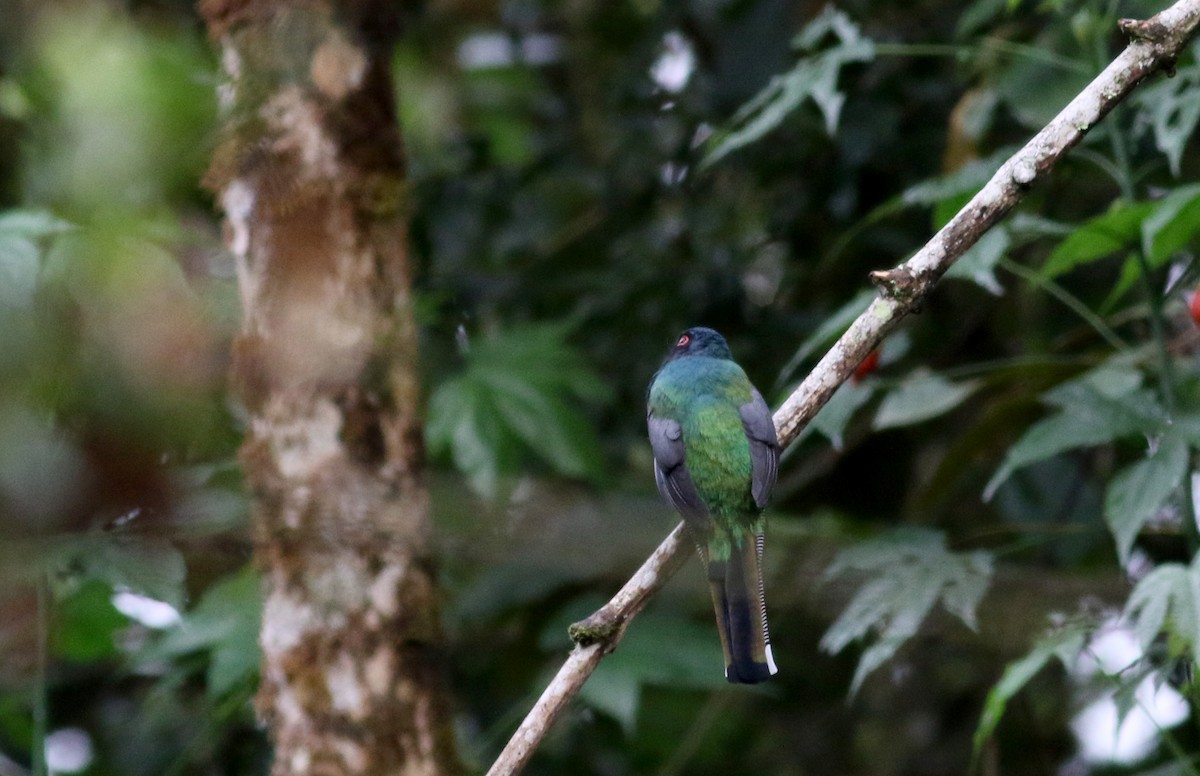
[615, 693]
[1035, 89]
[1137, 492]
[505, 586]
[919, 397]
[1173, 108]
[1062, 644]
[814, 77]
[978, 264]
[1173, 222]
[1103, 405]
[518, 395]
[1168, 598]
[909, 570]
[659, 648]
[18, 270]
[831, 420]
[149, 566]
[31, 223]
[966, 180]
[980, 13]
[84, 624]
[224, 624]
[1099, 237]
[832, 326]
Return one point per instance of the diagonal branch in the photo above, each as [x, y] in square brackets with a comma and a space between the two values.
[1154, 45]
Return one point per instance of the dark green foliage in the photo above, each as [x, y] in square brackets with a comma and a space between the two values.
[520, 393]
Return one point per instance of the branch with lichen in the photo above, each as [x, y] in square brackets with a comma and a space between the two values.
[1155, 44]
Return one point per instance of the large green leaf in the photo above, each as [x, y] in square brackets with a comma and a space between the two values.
[1102, 405]
[1172, 224]
[908, 572]
[814, 77]
[920, 397]
[1117, 230]
[224, 624]
[519, 395]
[1137, 492]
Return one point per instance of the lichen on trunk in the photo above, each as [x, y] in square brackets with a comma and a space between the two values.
[310, 175]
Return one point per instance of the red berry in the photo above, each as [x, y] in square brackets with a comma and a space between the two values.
[1194, 307]
[871, 362]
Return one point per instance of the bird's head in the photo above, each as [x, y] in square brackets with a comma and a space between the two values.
[700, 341]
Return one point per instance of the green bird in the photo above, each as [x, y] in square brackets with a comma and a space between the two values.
[716, 457]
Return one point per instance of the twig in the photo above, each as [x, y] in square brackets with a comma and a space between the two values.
[1155, 45]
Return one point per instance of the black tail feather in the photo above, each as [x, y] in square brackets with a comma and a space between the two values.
[737, 592]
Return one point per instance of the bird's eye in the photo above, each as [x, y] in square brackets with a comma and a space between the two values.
[682, 341]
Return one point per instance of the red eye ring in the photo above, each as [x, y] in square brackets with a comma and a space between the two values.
[683, 341]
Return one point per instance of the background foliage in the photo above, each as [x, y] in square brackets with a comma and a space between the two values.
[978, 552]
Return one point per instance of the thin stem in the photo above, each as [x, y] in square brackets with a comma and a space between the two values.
[1015, 362]
[1103, 162]
[1068, 299]
[1017, 50]
[1166, 374]
[1181, 756]
[710, 713]
[40, 693]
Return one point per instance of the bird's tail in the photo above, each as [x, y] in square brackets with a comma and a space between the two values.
[737, 593]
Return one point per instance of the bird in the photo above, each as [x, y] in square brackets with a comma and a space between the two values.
[716, 459]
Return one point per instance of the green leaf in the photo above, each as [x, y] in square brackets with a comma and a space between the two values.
[964, 181]
[85, 624]
[910, 572]
[1100, 406]
[1035, 90]
[1137, 492]
[978, 264]
[814, 77]
[145, 565]
[1117, 230]
[920, 397]
[831, 420]
[18, 270]
[660, 649]
[1062, 644]
[1172, 224]
[518, 396]
[1168, 599]
[225, 624]
[32, 224]
[1173, 105]
[1131, 273]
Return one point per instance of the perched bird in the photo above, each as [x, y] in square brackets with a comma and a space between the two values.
[716, 457]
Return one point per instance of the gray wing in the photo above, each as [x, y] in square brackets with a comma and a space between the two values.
[671, 473]
[764, 447]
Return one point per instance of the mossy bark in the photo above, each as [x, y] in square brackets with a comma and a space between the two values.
[311, 177]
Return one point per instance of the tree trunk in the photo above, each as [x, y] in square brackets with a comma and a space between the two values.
[310, 175]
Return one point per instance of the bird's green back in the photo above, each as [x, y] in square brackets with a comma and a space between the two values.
[704, 395]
